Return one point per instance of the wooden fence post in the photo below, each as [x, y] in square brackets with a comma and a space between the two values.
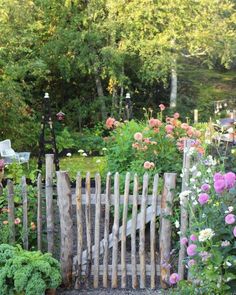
[66, 223]
[142, 255]
[115, 232]
[183, 206]
[79, 217]
[25, 213]
[49, 201]
[106, 231]
[11, 212]
[39, 212]
[165, 227]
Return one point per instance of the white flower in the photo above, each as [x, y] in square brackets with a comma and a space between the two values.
[207, 141]
[80, 151]
[206, 234]
[228, 263]
[194, 168]
[183, 195]
[181, 175]
[192, 180]
[84, 155]
[68, 154]
[230, 208]
[179, 233]
[209, 170]
[195, 203]
[104, 149]
[225, 243]
[203, 215]
[198, 174]
[230, 130]
[98, 161]
[177, 223]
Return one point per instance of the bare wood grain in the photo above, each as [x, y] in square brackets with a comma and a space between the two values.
[11, 212]
[39, 212]
[25, 213]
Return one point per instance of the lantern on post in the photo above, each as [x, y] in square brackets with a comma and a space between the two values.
[128, 107]
[60, 116]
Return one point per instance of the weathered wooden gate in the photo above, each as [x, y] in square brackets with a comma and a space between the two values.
[101, 256]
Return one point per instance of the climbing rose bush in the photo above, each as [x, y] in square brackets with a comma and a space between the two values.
[210, 243]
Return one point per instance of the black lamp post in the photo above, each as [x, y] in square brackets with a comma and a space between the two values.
[46, 122]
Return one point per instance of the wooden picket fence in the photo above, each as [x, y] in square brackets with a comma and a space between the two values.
[94, 251]
[97, 260]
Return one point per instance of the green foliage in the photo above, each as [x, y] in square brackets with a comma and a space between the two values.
[29, 273]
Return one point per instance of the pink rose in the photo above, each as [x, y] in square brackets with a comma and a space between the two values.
[192, 250]
[229, 179]
[205, 187]
[110, 123]
[234, 231]
[17, 221]
[147, 165]
[230, 218]
[184, 126]
[174, 278]
[184, 241]
[176, 115]
[193, 238]
[162, 107]
[169, 128]
[138, 136]
[154, 123]
[191, 262]
[219, 185]
[203, 198]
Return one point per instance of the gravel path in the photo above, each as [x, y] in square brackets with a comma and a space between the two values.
[111, 291]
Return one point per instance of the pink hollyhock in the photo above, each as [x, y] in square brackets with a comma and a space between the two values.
[193, 238]
[110, 123]
[230, 218]
[138, 136]
[230, 179]
[192, 250]
[191, 262]
[234, 231]
[162, 107]
[218, 176]
[203, 198]
[169, 128]
[184, 241]
[219, 185]
[205, 187]
[174, 278]
[152, 165]
[147, 140]
[176, 115]
[147, 165]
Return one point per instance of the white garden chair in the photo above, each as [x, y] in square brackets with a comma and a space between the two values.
[9, 155]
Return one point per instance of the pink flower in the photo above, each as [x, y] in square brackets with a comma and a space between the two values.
[203, 198]
[162, 107]
[176, 115]
[218, 176]
[138, 136]
[193, 238]
[17, 221]
[205, 255]
[230, 218]
[184, 126]
[152, 165]
[219, 185]
[230, 179]
[154, 123]
[184, 241]
[192, 250]
[191, 262]
[169, 128]
[147, 165]
[110, 123]
[234, 231]
[174, 278]
[205, 187]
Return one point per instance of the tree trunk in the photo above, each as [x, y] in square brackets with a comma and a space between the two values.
[121, 101]
[173, 91]
[100, 94]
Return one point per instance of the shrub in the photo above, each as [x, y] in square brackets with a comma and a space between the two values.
[25, 272]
